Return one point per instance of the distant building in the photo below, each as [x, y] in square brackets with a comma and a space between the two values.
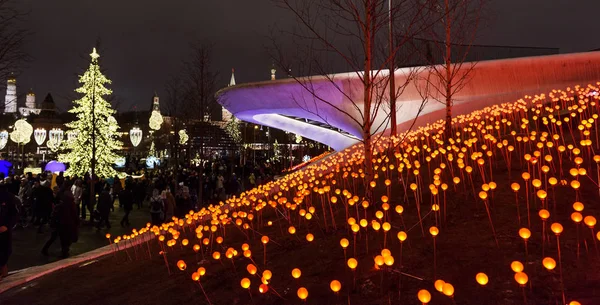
[155, 103]
[30, 105]
[226, 116]
[10, 100]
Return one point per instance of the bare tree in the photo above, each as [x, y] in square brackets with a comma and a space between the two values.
[352, 35]
[178, 109]
[200, 81]
[452, 38]
[12, 39]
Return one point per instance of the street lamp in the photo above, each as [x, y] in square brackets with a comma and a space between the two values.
[3, 139]
[55, 138]
[40, 136]
[135, 135]
[21, 135]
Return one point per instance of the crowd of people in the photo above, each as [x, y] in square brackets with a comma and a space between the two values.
[62, 204]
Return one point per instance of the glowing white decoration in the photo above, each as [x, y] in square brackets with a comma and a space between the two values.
[40, 136]
[120, 162]
[298, 138]
[56, 134]
[72, 135]
[306, 158]
[55, 139]
[183, 137]
[33, 170]
[135, 135]
[3, 138]
[156, 120]
[21, 133]
[151, 161]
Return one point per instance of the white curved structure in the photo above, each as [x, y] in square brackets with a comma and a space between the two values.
[287, 104]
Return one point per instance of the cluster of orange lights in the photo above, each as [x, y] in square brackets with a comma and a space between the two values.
[532, 134]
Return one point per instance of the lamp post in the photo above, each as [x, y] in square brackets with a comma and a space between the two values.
[3, 139]
[21, 135]
[55, 137]
[40, 136]
[135, 135]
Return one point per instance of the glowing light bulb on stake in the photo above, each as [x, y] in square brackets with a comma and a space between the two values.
[590, 221]
[557, 228]
[525, 234]
[434, 231]
[516, 187]
[481, 278]
[424, 296]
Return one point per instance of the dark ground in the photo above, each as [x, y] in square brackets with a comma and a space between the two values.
[27, 243]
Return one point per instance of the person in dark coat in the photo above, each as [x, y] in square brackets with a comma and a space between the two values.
[43, 197]
[104, 207]
[64, 222]
[60, 179]
[8, 219]
[126, 200]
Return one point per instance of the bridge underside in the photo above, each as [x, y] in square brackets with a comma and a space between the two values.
[298, 105]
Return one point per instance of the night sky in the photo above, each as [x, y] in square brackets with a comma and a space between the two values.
[144, 42]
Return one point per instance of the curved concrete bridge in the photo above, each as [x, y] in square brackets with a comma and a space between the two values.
[297, 105]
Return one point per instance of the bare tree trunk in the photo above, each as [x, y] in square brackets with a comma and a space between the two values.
[448, 125]
[368, 87]
[394, 130]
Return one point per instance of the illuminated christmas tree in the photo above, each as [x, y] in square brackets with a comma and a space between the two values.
[97, 139]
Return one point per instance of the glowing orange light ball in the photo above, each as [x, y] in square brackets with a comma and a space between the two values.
[549, 263]
[251, 269]
[267, 274]
[557, 228]
[516, 266]
[439, 285]
[352, 263]
[434, 231]
[544, 214]
[263, 288]
[302, 293]
[590, 221]
[335, 286]
[448, 289]
[245, 283]
[181, 265]
[521, 278]
[481, 278]
[402, 236]
[524, 233]
[296, 273]
[424, 296]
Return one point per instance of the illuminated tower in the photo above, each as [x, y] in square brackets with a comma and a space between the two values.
[155, 103]
[30, 100]
[10, 101]
[273, 71]
[225, 114]
[232, 80]
[30, 106]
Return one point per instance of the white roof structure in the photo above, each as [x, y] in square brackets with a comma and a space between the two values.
[287, 104]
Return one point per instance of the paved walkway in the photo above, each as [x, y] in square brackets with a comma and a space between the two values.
[27, 243]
